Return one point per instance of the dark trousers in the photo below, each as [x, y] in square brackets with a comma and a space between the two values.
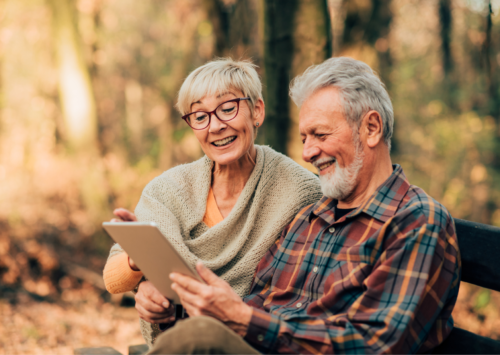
[201, 335]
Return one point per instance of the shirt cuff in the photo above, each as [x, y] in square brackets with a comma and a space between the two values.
[262, 332]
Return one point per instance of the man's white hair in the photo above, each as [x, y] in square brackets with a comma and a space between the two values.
[218, 77]
[360, 88]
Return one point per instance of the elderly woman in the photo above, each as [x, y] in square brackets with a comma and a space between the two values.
[225, 209]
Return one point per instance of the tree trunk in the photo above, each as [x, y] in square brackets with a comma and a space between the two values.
[368, 24]
[235, 28]
[312, 44]
[279, 16]
[75, 89]
[446, 23]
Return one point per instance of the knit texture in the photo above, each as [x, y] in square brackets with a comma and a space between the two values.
[118, 276]
[176, 201]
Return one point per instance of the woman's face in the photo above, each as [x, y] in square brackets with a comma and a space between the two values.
[227, 142]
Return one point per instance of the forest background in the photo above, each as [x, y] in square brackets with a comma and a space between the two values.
[87, 119]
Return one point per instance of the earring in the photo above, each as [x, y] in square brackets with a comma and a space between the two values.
[256, 124]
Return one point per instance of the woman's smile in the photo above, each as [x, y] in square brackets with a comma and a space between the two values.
[224, 141]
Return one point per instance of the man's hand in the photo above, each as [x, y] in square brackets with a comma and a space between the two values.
[152, 306]
[215, 299]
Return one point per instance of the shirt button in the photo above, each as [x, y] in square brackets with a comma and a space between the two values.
[315, 269]
[332, 229]
[299, 305]
[260, 337]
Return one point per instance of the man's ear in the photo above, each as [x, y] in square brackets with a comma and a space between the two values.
[373, 128]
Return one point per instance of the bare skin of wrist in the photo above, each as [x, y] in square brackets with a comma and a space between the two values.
[240, 326]
[132, 265]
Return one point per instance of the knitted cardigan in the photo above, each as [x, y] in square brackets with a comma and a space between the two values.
[176, 201]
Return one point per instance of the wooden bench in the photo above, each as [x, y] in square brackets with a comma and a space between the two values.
[480, 250]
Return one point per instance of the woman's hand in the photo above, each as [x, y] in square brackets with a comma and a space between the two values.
[125, 215]
[152, 306]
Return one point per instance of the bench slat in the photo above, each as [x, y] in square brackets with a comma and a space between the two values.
[464, 342]
[480, 250]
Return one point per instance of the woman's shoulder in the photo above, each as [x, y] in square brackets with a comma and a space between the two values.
[181, 176]
[289, 175]
[280, 164]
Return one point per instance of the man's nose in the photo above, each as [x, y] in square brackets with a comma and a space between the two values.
[216, 125]
[310, 152]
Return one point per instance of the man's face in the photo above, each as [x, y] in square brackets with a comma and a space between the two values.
[329, 143]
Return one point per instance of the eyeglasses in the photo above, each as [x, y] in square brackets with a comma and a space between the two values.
[226, 111]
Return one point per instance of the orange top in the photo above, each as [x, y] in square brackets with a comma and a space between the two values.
[119, 277]
[212, 213]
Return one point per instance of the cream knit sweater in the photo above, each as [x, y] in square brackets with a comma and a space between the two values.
[176, 200]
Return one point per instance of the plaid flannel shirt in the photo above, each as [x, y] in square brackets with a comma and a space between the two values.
[382, 279]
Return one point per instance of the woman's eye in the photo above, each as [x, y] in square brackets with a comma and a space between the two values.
[228, 110]
[201, 117]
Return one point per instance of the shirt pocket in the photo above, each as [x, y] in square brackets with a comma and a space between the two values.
[357, 253]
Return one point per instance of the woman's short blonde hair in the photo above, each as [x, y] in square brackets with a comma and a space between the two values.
[218, 77]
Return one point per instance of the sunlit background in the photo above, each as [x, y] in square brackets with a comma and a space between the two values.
[87, 118]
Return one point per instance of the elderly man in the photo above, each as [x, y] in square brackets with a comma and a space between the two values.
[373, 267]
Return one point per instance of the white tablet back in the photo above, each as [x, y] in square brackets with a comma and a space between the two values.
[152, 253]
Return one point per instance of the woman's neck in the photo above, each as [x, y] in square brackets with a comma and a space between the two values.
[228, 181]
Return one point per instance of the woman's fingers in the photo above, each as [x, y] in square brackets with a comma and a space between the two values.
[153, 317]
[125, 215]
[150, 293]
[132, 265]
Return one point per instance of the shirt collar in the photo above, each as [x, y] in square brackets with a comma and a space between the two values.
[382, 205]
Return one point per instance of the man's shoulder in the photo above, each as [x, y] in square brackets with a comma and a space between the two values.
[421, 206]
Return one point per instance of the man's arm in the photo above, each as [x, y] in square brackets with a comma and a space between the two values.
[217, 299]
[405, 296]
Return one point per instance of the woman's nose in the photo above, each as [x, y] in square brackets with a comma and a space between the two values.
[216, 125]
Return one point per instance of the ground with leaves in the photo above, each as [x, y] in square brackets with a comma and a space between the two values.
[82, 318]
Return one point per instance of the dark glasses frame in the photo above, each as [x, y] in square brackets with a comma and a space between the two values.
[185, 117]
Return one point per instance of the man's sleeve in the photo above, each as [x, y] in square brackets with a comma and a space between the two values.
[405, 301]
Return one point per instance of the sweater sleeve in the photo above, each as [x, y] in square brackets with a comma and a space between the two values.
[118, 276]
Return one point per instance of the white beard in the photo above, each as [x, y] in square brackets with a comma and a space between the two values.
[340, 184]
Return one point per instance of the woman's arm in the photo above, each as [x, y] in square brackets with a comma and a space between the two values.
[120, 273]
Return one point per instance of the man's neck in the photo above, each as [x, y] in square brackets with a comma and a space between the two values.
[370, 177]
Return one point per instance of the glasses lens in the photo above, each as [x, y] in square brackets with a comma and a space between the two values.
[227, 111]
[198, 120]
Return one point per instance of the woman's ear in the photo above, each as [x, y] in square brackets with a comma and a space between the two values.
[373, 128]
[259, 113]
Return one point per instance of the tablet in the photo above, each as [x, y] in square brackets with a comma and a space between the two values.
[152, 253]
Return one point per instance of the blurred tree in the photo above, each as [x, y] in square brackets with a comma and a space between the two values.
[296, 35]
[75, 89]
[446, 23]
[446, 28]
[236, 28]
[490, 66]
[278, 55]
[367, 24]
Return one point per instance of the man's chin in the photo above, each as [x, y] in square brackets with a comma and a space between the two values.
[330, 187]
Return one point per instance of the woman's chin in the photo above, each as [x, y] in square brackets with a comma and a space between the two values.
[228, 157]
